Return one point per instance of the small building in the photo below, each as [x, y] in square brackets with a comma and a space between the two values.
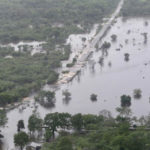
[34, 146]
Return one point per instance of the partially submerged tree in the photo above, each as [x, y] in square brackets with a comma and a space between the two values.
[126, 57]
[137, 93]
[125, 101]
[56, 120]
[101, 61]
[93, 97]
[21, 139]
[106, 45]
[34, 123]
[67, 96]
[20, 125]
[52, 122]
[46, 98]
[114, 37]
[145, 37]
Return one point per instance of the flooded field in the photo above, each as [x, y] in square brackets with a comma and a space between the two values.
[109, 80]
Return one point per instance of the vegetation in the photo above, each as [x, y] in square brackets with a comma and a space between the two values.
[25, 74]
[125, 101]
[72, 64]
[101, 61]
[106, 133]
[141, 8]
[113, 37]
[51, 21]
[41, 20]
[106, 45]
[54, 121]
[34, 123]
[67, 96]
[3, 117]
[93, 97]
[20, 125]
[126, 57]
[21, 139]
[137, 93]
[46, 98]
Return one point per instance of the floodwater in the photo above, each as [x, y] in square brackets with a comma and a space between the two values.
[109, 81]
[34, 47]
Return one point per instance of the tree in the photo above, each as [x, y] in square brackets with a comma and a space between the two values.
[34, 123]
[65, 144]
[89, 120]
[52, 122]
[125, 101]
[106, 45]
[3, 117]
[67, 96]
[20, 125]
[93, 97]
[101, 61]
[114, 37]
[21, 139]
[52, 78]
[138, 141]
[126, 57]
[137, 93]
[64, 119]
[46, 98]
[48, 134]
[77, 122]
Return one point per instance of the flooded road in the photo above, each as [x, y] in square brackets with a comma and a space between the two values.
[109, 82]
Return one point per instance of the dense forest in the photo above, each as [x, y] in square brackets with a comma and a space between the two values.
[136, 8]
[51, 21]
[87, 132]
[40, 20]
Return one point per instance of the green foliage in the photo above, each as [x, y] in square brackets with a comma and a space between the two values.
[46, 98]
[56, 120]
[119, 136]
[21, 139]
[25, 74]
[20, 125]
[34, 123]
[3, 117]
[125, 101]
[104, 139]
[67, 96]
[52, 122]
[52, 78]
[136, 8]
[137, 93]
[48, 134]
[65, 144]
[40, 20]
[93, 97]
[51, 21]
[77, 122]
[72, 64]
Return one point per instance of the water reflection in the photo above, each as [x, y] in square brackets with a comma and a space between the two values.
[66, 97]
